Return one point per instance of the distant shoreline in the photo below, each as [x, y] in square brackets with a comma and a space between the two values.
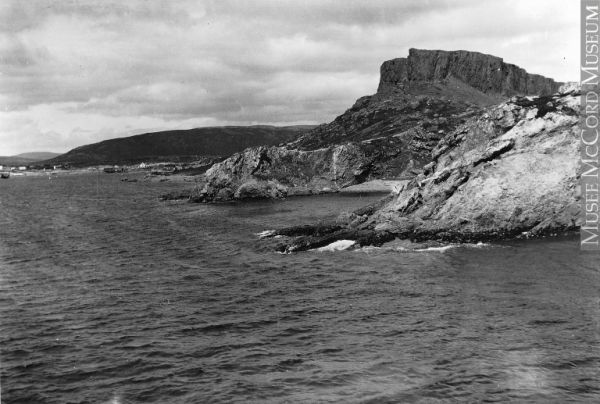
[373, 186]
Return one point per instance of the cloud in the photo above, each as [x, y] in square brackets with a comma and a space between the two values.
[57, 127]
[78, 71]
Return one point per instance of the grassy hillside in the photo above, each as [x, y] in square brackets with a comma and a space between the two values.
[38, 156]
[178, 145]
[26, 158]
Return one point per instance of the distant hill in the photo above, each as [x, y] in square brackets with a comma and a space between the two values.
[38, 156]
[179, 145]
[26, 158]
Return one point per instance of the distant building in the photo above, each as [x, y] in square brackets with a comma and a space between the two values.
[22, 168]
[1, 167]
[143, 165]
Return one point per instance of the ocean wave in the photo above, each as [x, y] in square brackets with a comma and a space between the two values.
[265, 233]
[339, 245]
[416, 247]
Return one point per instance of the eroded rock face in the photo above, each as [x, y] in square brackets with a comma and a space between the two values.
[512, 171]
[275, 172]
[486, 73]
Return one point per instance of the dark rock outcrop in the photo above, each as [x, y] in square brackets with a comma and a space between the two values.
[511, 171]
[391, 134]
[486, 73]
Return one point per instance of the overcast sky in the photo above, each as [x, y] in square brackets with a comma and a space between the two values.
[74, 72]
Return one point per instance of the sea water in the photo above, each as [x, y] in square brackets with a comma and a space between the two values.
[109, 295]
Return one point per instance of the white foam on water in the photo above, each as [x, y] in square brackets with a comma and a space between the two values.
[338, 245]
[409, 249]
[450, 246]
[438, 249]
[265, 233]
[369, 248]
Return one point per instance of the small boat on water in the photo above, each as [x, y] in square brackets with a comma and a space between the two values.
[5, 175]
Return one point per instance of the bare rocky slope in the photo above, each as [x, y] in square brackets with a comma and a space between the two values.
[510, 171]
[391, 134]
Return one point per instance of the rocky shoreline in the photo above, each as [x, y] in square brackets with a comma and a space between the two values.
[510, 172]
[481, 149]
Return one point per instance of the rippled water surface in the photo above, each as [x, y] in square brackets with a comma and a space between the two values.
[110, 295]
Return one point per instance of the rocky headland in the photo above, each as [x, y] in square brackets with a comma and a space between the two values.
[509, 171]
[421, 100]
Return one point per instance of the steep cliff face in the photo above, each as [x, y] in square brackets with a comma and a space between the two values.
[509, 172]
[391, 134]
[486, 73]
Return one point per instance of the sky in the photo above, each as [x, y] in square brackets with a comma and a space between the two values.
[74, 72]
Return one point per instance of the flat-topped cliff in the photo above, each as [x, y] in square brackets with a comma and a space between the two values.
[486, 73]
